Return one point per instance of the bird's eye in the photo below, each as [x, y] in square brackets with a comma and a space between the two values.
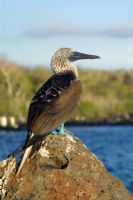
[74, 53]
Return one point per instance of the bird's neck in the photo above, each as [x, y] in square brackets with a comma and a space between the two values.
[63, 66]
[74, 69]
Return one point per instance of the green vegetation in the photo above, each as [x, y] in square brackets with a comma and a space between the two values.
[106, 95]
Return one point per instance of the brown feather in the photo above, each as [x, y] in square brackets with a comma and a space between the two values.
[59, 111]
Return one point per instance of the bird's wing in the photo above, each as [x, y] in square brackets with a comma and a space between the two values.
[47, 104]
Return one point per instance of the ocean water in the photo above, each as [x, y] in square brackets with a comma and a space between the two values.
[111, 144]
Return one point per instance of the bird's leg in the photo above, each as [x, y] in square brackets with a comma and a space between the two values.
[59, 130]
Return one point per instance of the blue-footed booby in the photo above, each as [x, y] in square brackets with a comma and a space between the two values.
[55, 101]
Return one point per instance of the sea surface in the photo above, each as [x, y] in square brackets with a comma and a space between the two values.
[112, 144]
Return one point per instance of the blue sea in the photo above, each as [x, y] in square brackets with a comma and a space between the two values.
[112, 144]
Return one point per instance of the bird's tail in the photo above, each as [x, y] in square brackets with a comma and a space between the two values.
[26, 155]
[31, 140]
[27, 152]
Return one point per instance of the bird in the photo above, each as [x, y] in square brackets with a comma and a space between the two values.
[55, 101]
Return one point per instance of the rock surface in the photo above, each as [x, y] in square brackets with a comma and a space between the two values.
[62, 169]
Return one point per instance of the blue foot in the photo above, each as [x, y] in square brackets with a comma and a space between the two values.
[59, 130]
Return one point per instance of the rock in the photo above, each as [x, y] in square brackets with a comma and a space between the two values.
[62, 169]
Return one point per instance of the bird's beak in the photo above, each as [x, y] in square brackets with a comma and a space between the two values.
[78, 56]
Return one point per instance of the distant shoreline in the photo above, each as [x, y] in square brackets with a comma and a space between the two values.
[75, 123]
[102, 123]
[86, 123]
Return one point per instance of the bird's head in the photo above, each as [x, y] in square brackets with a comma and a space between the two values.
[63, 59]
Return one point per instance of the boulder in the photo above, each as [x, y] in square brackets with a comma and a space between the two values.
[62, 168]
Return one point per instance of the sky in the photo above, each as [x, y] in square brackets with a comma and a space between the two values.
[32, 30]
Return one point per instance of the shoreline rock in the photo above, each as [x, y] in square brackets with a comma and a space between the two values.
[61, 169]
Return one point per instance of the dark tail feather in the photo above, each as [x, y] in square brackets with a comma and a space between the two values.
[33, 140]
[32, 143]
[27, 144]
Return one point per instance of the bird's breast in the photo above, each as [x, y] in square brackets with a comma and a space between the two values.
[69, 98]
